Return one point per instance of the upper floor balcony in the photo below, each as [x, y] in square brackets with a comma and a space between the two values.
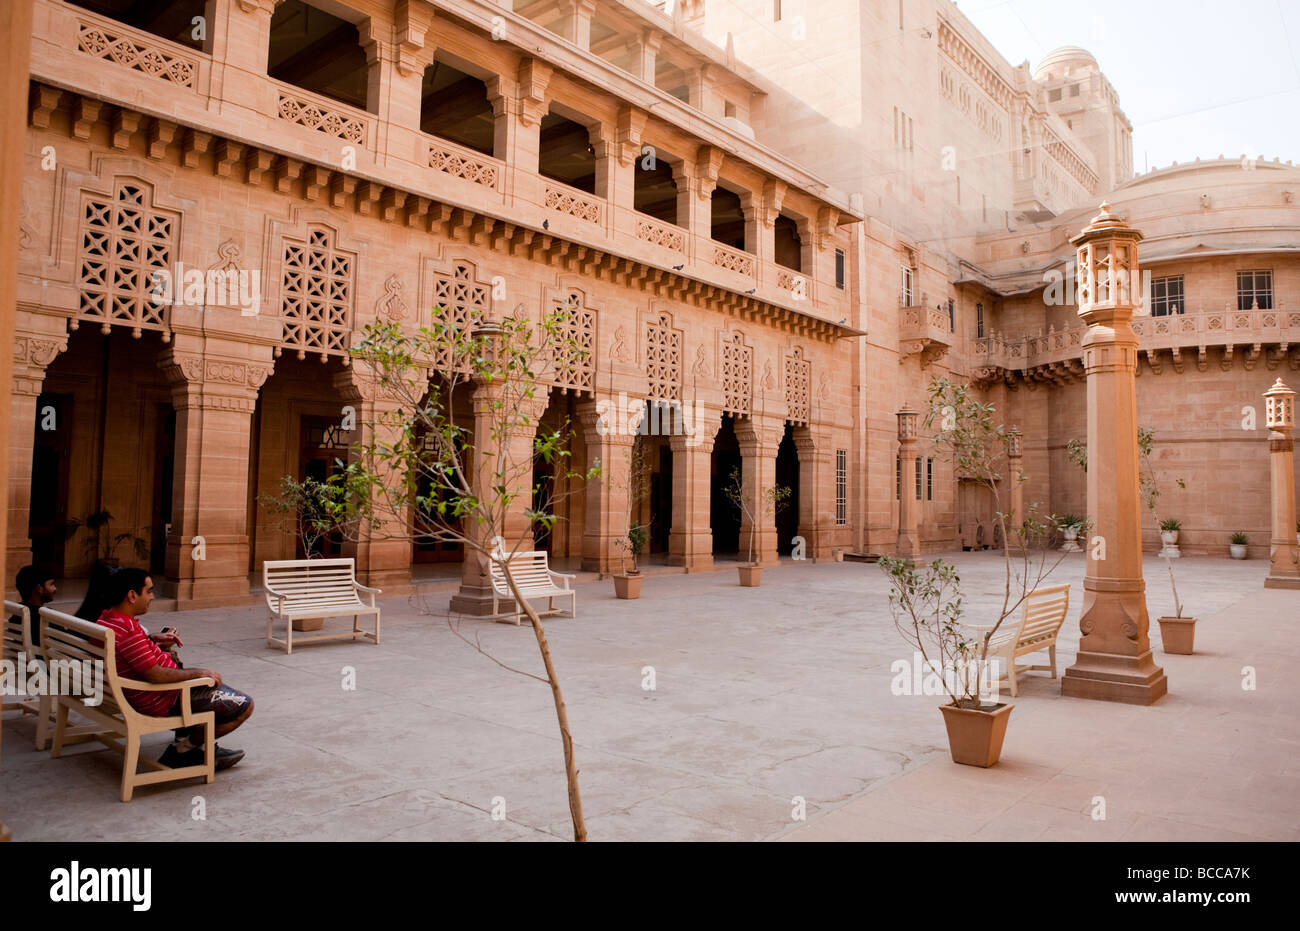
[1269, 335]
[439, 116]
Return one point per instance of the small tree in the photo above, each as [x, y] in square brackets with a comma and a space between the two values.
[926, 601]
[771, 501]
[312, 510]
[424, 475]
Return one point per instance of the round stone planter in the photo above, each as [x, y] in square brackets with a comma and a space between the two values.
[1237, 550]
[750, 576]
[628, 586]
[975, 737]
[1070, 545]
[1177, 634]
[1169, 541]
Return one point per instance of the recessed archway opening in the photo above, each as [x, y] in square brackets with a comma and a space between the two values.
[787, 476]
[318, 52]
[655, 190]
[565, 153]
[430, 551]
[789, 245]
[553, 492]
[723, 515]
[173, 20]
[455, 106]
[728, 220]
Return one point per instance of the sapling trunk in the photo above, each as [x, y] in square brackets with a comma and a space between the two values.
[1178, 607]
[570, 766]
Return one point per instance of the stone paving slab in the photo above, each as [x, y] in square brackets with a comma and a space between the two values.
[761, 695]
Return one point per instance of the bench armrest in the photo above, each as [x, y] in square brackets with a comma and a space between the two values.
[562, 575]
[164, 686]
[367, 588]
[280, 595]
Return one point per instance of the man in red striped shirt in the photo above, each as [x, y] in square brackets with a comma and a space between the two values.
[130, 592]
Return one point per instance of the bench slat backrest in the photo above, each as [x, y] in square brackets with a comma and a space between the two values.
[323, 582]
[1044, 611]
[530, 571]
[19, 638]
[70, 638]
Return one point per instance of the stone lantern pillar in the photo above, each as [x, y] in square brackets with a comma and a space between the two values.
[1015, 460]
[1284, 554]
[1114, 662]
[909, 503]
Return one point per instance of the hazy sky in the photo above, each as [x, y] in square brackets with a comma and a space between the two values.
[1195, 77]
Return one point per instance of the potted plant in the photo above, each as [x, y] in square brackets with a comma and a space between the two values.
[770, 502]
[1169, 528]
[627, 584]
[1237, 545]
[1071, 526]
[926, 601]
[101, 543]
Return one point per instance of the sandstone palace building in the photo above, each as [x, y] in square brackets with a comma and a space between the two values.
[785, 217]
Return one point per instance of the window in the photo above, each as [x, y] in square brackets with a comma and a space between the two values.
[729, 109]
[841, 487]
[839, 269]
[1054, 94]
[918, 478]
[979, 321]
[898, 478]
[905, 297]
[952, 316]
[929, 479]
[1074, 90]
[1167, 296]
[1255, 289]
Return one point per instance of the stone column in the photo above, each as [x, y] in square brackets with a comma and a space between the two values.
[690, 540]
[816, 490]
[760, 439]
[394, 78]
[1284, 551]
[1015, 463]
[31, 359]
[909, 502]
[1114, 662]
[502, 453]
[608, 441]
[214, 396]
[239, 35]
[575, 21]
[645, 52]
[382, 549]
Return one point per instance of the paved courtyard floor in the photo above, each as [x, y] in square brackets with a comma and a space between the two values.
[761, 695]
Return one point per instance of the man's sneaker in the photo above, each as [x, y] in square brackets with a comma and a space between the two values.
[223, 758]
[227, 758]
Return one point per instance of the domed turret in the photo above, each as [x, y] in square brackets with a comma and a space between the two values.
[1068, 59]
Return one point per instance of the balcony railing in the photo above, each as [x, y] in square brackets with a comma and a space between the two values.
[322, 114]
[574, 203]
[1199, 330]
[661, 234]
[742, 263]
[461, 162]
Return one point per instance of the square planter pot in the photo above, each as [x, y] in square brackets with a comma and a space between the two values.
[975, 737]
[309, 623]
[628, 586]
[750, 576]
[1177, 634]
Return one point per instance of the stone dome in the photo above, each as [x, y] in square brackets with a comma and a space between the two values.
[1065, 60]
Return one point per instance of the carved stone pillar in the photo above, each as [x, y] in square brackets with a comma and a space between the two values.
[690, 539]
[240, 33]
[1015, 462]
[909, 497]
[606, 497]
[816, 490]
[382, 549]
[214, 396]
[1284, 549]
[502, 455]
[395, 74]
[575, 24]
[759, 437]
[1114, 662]
[31, 359]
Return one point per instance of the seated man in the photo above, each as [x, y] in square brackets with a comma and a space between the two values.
[130, 592]
[36, 587]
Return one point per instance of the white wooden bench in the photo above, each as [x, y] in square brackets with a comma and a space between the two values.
[69, 639]
[22, 639]
[534, 578]
[299, 589]
[1041, 616]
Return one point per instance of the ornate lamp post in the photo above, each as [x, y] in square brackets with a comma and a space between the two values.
[1284, 554]
[909, 504]
[1015, 460]
[1114, 661]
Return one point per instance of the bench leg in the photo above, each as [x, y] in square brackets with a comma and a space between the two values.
[60, 725]
[130, 759]
[1011, 672]
[43, 722]
[1051, 652]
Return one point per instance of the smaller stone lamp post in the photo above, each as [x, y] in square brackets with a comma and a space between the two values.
[1284, 554]
[909, 504]
[1015, 461]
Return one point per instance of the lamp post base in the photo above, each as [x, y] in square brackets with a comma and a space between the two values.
[1133, 680]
